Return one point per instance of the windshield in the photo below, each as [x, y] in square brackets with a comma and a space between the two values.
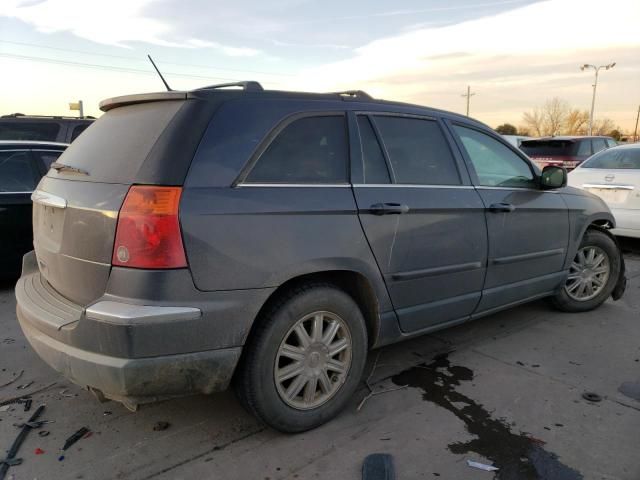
[550, 148]
[615, 159]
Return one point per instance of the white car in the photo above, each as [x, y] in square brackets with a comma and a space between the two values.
[614, 175]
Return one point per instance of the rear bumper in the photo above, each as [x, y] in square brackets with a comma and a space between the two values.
[138, 349]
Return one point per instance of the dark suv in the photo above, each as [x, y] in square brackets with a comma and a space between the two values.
[42, 128]
[189, 239]
[567, 152]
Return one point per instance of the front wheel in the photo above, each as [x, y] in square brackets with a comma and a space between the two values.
[305, 359]
[592, 276]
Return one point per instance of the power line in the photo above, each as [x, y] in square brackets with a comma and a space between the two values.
[108, 67]
[136, 59]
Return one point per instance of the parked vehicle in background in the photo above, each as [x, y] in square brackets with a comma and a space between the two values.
[566, 151]
[614, 175]
[22, 164]
[273, 238]
[42, 128]
[516, 140]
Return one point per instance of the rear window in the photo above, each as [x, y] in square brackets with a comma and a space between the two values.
[551, 148]
[16, 172]
[21, 130]
[617, 159]
[77, 131]
[114, 149]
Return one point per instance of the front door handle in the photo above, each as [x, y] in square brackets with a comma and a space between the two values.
[388, 208]
[502, 207]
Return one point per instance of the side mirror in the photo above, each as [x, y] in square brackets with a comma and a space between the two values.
[553, 177]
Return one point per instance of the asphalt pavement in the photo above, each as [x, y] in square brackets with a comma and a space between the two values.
[506, 390]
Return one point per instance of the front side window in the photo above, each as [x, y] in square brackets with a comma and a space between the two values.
[616, 159]
[418, 151]
[495, 164]
[16, 172]
[310, 150]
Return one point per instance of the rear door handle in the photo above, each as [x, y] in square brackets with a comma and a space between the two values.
[502, 207]
[388, 208]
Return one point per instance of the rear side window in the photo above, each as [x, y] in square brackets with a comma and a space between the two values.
[310, 150]
[552, 148]
[418, 151]
[583, 148]
[617, 159]
[17, 173]
[77, 131]
[495, 164]
[598, 144]
[610, 142]
[374, 165]
[19, 130]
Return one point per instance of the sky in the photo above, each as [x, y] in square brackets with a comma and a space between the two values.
[514, 54]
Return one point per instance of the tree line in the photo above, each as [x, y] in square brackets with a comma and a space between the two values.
[558, 117]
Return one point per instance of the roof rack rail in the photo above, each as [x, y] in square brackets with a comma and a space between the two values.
[354, 93]
[247, 85]
[55, 117]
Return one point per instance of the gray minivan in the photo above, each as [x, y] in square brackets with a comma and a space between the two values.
[270, 239]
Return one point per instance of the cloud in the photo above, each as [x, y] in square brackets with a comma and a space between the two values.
[107, 23]
[534, 50]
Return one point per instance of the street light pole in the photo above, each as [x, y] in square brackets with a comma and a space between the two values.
[595, 86]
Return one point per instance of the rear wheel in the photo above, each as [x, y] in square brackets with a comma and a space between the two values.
[305, 359]
[592, 276]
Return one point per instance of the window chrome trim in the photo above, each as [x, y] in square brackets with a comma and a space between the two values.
[296, 185]
[15, 193]
[48, 199]
[411, 185]
[525, 189]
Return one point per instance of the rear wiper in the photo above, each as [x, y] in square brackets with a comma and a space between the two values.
[59, 167]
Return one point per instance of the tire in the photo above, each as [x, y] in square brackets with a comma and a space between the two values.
[568, 299]
[277, 347]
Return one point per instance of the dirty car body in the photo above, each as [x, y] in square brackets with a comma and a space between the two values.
[415, 247]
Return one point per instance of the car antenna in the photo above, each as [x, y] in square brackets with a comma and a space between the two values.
[169, 89]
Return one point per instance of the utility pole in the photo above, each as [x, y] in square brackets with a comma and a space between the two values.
[77, 106]
[635, 132]
[595, 85]
[468, 95]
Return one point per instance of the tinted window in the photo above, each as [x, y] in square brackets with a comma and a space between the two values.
[598, 144]
[309, 150]
[582, 148]
[619, 158]
[418, 151]
[47, 157]
[77, 131]
[610, 142]
[374, 165]
[552, 148]
[20, 130]
[16, 172]
[495, 164]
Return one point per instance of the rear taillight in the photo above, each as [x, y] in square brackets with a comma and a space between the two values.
[148, 232]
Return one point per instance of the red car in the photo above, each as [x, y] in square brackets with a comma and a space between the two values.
[566, 151]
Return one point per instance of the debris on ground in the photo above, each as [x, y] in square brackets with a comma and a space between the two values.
[378, 466]
[4, 408]
[20, 398]
[38, 451]
[61, 458]
[13, 379]
[75, 437]
[27, 404]
[482, 466]
[630, 389]
[160, 426]
[25, 385]
[67, 395]
[10, 460]
[592, 397]
[43, 433]
[106, 413]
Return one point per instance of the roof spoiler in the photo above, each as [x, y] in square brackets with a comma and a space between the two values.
[115, 102]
